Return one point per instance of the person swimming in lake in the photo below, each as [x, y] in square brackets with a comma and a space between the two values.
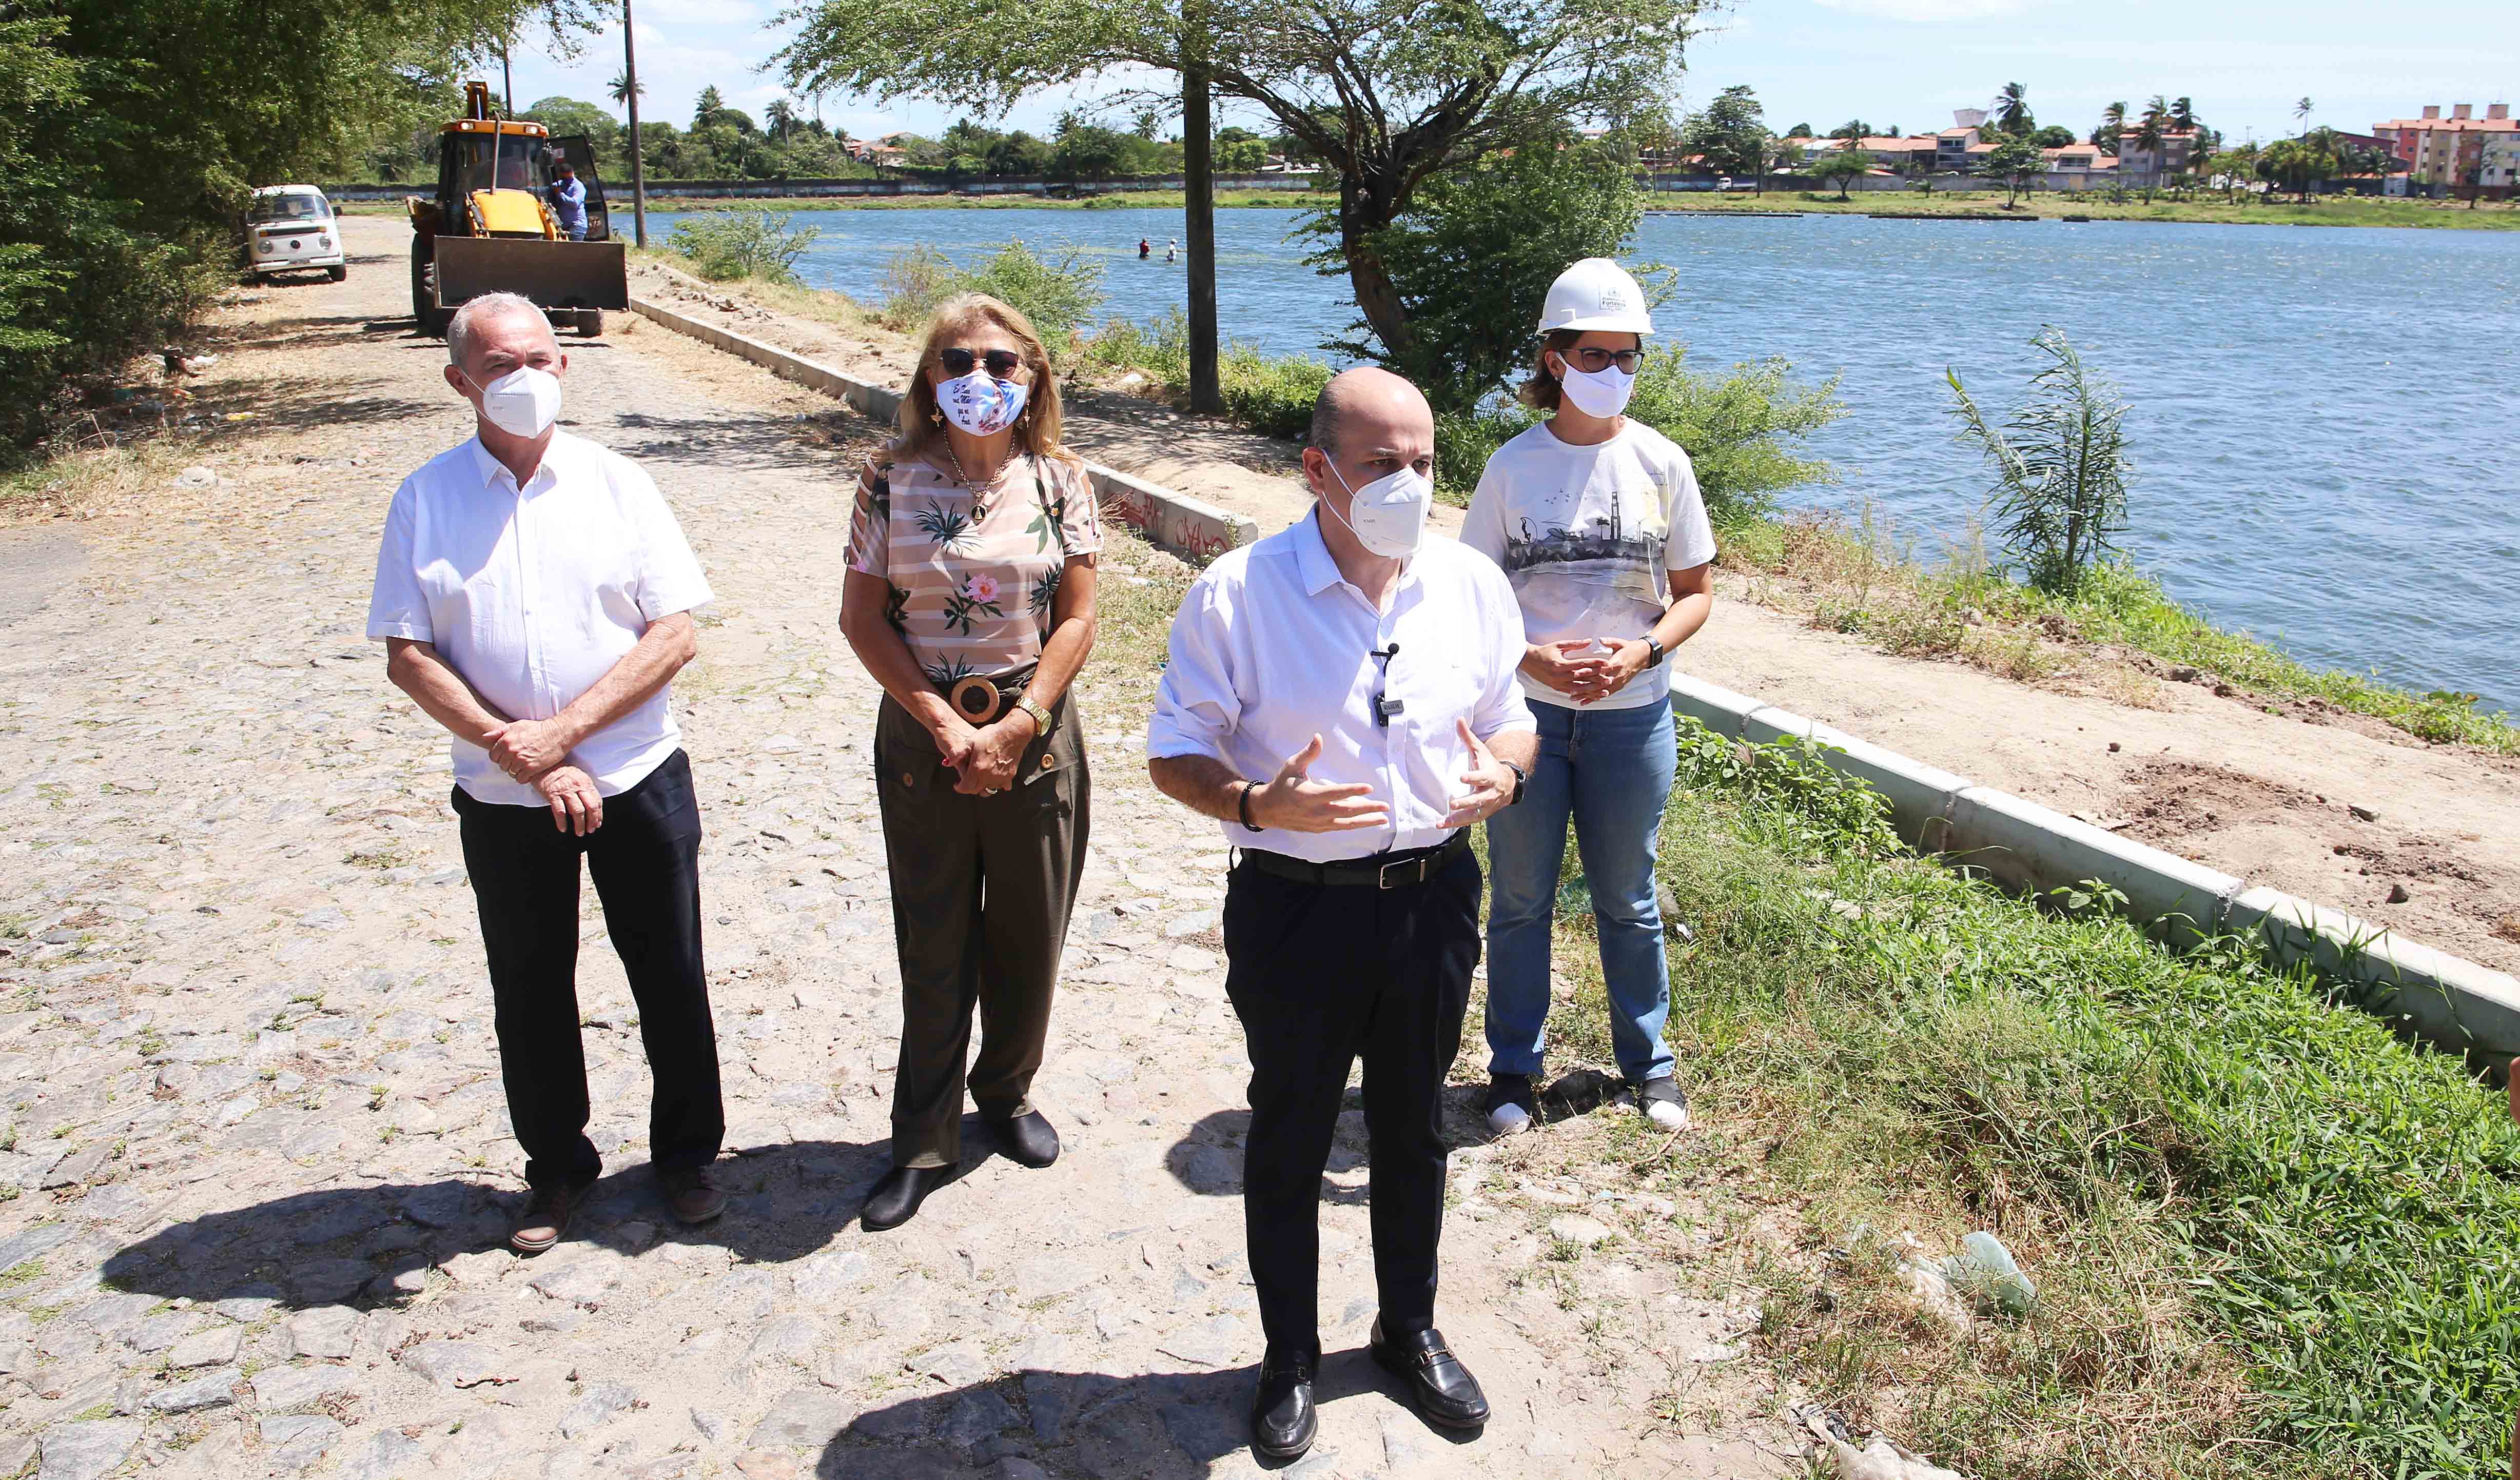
[1145, 249]
[1171, 249]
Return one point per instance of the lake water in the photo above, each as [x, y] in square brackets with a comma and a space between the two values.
[2326, 420]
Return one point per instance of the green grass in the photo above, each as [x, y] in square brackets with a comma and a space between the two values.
[2048, 205]
[2272, 1239]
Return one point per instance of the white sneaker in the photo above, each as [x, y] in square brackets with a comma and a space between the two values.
[1662, 1103]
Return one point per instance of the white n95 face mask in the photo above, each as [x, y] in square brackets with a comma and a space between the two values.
[1602, 392]
[1387, 515]
[980, 403]
[522, 403]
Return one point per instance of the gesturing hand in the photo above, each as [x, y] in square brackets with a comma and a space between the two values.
[576, 806]
[525, 748]
[1491, 782]
[1297, 804]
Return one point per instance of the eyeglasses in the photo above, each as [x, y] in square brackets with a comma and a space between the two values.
[1002, 363]
[1593, 361]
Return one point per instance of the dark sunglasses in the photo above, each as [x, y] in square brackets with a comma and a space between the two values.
[958, 362]
[1593, 360]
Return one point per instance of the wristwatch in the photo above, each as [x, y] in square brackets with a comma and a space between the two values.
[1520, 777]
[1655, 651]
[1032, 706]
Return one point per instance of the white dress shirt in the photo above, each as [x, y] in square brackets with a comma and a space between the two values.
[1273, 646]
[532, 593]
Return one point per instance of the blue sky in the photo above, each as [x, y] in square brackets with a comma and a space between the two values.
[1818, 62]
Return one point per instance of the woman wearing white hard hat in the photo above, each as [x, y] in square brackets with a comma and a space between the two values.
[1598, 522]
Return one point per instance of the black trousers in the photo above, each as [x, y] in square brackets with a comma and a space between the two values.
[1321, 974]
[645, 863]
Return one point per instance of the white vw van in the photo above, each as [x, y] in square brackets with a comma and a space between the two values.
[291, 230]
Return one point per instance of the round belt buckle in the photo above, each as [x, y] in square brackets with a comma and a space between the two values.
[975, 698]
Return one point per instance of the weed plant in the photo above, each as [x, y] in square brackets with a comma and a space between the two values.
[1057, 293]
[730, 246]
[1273, 395]
[2272, 1239]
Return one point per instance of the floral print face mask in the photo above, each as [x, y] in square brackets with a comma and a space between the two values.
[980, 403]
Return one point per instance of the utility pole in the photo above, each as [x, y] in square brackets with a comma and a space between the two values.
[638, 167]
[508, 77]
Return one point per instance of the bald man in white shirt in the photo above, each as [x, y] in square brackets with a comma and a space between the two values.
[1341, 697]
[534, 597]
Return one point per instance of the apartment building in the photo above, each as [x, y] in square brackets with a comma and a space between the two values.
[2458, 150]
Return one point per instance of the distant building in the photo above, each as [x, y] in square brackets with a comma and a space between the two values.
[2452, 153]
[2137, 164]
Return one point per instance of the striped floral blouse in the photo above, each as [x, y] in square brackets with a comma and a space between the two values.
[972, 596]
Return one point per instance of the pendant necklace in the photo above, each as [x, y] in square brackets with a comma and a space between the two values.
[979, 495]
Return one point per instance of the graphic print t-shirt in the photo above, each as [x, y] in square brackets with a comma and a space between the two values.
[1587, 536]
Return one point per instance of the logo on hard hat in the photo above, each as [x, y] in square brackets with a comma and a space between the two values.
[1611, 297]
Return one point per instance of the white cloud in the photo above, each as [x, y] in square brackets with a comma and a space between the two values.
[1930, 12]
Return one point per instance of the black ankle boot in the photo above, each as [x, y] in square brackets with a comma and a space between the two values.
[895, 1200]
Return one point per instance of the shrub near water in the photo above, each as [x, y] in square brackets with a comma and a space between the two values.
[2274, 1239]
[1057, 294]
[727, 245]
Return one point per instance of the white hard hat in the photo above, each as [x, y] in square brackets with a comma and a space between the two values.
[1595, 294]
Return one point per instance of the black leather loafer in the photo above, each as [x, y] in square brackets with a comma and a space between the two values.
[1444, 1389]
[1283, 1419]
[895, 1200]
[1028, 1138]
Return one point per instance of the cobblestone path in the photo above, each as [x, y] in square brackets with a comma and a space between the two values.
[257, 1159]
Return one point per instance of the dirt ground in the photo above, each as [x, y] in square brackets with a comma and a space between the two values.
[257, 1173]
[2419, 839]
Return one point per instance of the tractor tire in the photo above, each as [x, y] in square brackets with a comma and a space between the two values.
[430, 319]
[339, 273]
[590, 323]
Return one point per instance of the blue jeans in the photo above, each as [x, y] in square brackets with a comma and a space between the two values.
[1610, 770]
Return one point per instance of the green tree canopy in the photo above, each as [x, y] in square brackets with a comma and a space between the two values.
[1799, 131]
[1386, 93]
[2012, 113]
[2014, 160]
[1852, 130]
[1730, 133]
[1844, 166]
[2054, 136]
[1474, 255]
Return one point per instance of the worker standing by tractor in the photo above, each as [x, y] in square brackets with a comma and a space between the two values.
[569, 200]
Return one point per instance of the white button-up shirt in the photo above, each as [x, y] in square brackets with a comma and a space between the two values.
[1273, 646]
[532, 593]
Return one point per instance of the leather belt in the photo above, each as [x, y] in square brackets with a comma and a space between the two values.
[981, 697]
[1382, 871]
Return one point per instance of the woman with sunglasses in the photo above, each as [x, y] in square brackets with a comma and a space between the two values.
[1599, 525]
[969, 597]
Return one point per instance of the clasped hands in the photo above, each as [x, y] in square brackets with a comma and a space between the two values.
[983, 758]
[1586, 676]
[1295, 803]
[535, 752]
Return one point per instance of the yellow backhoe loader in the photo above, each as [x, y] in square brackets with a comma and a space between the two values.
[490, 227]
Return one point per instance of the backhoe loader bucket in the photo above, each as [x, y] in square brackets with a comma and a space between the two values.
[553, 274]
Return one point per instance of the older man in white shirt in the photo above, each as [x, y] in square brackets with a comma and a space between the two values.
[1341, 697]
[534, 596]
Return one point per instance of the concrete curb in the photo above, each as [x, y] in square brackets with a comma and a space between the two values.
[1180, 524]
[2442, 997]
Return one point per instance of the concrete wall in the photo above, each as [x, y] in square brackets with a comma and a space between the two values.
[1178, 523]
[2026, 847]
[618, 192]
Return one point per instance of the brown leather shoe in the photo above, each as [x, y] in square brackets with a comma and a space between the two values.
[545, 1220]
[692, 1193]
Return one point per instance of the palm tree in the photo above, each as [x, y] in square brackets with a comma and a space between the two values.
[2012, 109]
[2182, 115]
[2148, 135]
[622, 87]
[2301, 112]
[2112, 128]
